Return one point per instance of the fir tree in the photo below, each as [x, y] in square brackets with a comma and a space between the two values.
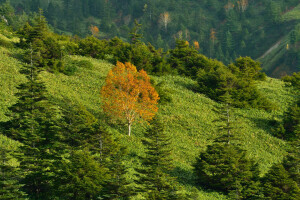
[33, 122]
[277, 184]
[153, 178]
[224, 166]
[10, 176]
[134, 35]
[81, 130]
[81, 176]
[292, 161]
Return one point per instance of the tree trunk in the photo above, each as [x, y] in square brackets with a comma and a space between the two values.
[129, 128]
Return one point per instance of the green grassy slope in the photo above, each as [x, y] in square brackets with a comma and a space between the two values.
[189, 118]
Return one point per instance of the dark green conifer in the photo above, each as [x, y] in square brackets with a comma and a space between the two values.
[278, 184]
[224, 166]
[136, 37]
[153, 178]
[33, 122]
[81, 176]
[10, 174]
[81, 130]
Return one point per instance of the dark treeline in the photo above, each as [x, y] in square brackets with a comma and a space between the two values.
[225, 30]
[67, 153]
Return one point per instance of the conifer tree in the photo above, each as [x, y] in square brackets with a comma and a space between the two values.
[33, 122]
[134, 35]
[81, 176]
[292, 161]
[10, 176]
[224, 166]
[277, 184]
[112, 154]
[153, 178]
[84, 136]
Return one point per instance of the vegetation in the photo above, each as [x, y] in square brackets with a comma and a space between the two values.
[153, 178]
[128, 94]
[57, 141]
[224, 30]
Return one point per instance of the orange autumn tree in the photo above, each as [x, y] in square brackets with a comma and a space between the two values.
[128, 95]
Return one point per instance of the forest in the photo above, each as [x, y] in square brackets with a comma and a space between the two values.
[225, 30]
[95, 108]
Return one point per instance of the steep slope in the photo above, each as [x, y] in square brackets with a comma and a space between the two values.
[189, 118]
[283, 58]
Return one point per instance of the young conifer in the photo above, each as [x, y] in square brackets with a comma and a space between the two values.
[153, 179]
[224, 166]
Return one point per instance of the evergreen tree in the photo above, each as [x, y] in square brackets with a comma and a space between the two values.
[103, 153]
[153, 178]
[224, 166]
[136, 37]
[33, 122]
[292, 161]
[81, 176]
[277, 184]
[10, 176]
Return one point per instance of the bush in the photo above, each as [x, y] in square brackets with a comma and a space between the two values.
[93, 47]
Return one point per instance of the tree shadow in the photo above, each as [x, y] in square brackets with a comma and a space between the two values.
[190, 86]
[185, 177]
[268, 125]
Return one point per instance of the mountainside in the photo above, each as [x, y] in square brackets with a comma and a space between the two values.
[224, 29]
[189, 117]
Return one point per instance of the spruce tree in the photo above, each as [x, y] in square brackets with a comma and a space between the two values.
[292, 161]
[278, 184]
[33, 122]
[224, 166]
[10, 175]
[153, 179]
[83, 136]
[134, 35]
[80, 176]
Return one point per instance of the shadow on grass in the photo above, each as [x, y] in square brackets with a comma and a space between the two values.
[19, 56]
[185, 177]
[190, 86]
[268, 125]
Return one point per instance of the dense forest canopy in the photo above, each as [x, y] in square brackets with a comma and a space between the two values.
[224, 29]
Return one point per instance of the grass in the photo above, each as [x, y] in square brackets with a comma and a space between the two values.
[292, 15]
[188, 118]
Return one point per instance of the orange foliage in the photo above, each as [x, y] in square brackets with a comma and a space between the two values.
[187, 43]
[213, 35]
[94, 30]
[128, 94]
[196, 45]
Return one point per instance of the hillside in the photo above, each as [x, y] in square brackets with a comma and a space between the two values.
[189, 118]
[225, 30]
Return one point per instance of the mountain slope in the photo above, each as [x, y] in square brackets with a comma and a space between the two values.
[189, 118]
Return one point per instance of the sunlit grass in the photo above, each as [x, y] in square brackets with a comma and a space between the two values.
[189, 118]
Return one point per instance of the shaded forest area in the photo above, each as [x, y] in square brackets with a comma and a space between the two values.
[224, 30]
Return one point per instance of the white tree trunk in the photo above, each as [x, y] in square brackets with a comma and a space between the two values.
[129, 128]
